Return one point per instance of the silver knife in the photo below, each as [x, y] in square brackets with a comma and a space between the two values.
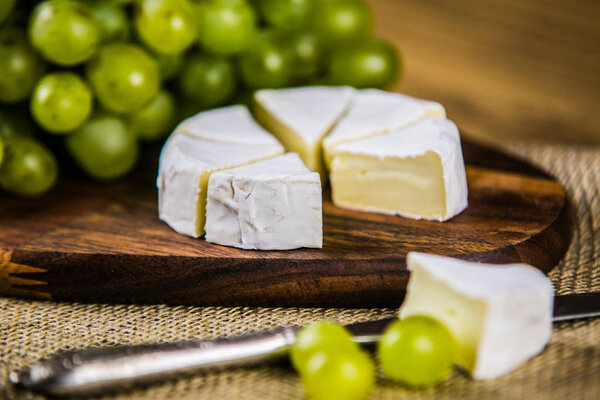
[103, 369]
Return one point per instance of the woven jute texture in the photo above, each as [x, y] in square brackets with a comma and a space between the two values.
[568, 368]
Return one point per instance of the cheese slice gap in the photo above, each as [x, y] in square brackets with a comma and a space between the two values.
[500, 315]
[417, 172]
[375, 112]
[186, 162]
[274, 204]
[301, 117]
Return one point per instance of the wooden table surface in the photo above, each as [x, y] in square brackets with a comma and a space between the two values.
[502, 68]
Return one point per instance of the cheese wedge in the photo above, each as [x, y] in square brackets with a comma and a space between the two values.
[301, 117]
[375, 112]
[274, 204]
[500, 315]
[417, 172]
[187, 161]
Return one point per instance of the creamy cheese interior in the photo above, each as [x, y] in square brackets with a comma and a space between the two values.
[462, 315]
[410, 186]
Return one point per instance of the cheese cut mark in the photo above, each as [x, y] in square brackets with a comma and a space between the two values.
[301, 117]
[500, 315]
[376, 112]
[417, 172]
[274, 204]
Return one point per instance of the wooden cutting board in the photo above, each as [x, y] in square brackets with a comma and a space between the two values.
[95, 242]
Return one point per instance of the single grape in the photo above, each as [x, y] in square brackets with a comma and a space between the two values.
[104, 147]
[207, 80]
[372, 63]
[286, 14]
[169, 65]
[306, 52]
[344, 375]
[6, 7]
[267, 64]
[111, 19]
[124, 77]
[342, 21]
[166, 26]
[226, 26]
[61, 102]
[321, 335]
[28, 168]
[64, 31]
[156, 119]
[20, 66]
[15, 123]
[418, 351]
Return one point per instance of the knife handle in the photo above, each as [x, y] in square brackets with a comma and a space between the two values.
[92, 371]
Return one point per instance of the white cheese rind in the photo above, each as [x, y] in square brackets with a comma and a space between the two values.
[309, 111]
[375, 112]
[232, 124]
[274, 204]
[438, 135]
[510, 319]
[187, 156]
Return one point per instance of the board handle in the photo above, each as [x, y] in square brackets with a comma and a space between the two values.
[97, 370]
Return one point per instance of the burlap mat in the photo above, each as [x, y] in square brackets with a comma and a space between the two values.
[568, 368]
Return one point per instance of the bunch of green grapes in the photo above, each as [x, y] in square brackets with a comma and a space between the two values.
[104, 75]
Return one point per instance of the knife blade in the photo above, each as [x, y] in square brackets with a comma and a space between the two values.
[98, 370]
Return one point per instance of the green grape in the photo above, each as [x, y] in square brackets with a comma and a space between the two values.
[166, 26]
[344, 375]
[6, 7]
[321, 335]
[124, 77]
[307, 52]
[20, 66]
[15, 123]
[268, 64]
[209, 81]
[286, 14]
[64, 31]
[169, 65]
[28, 168]
[154, 120]
[372, 63]
[418, 351]
[104, 147]
[227, 26]
[342, 21]
[1, 150]
[61, 102]
[111, 19]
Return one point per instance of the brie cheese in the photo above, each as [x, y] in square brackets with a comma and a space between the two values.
[188, 159]
[274, 204]
[301, 117]
[417, 172]
[375, 112]
[500, 315]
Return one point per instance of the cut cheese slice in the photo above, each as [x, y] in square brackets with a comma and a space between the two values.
[186, 163]
[500, 316]
[375, 112]
[233, 124]
[301, 117]
[417, 172]
[274, 204]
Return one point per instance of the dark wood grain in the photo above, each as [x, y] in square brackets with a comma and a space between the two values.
[91, 242]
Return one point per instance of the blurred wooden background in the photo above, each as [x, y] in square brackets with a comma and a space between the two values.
[502, 68]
